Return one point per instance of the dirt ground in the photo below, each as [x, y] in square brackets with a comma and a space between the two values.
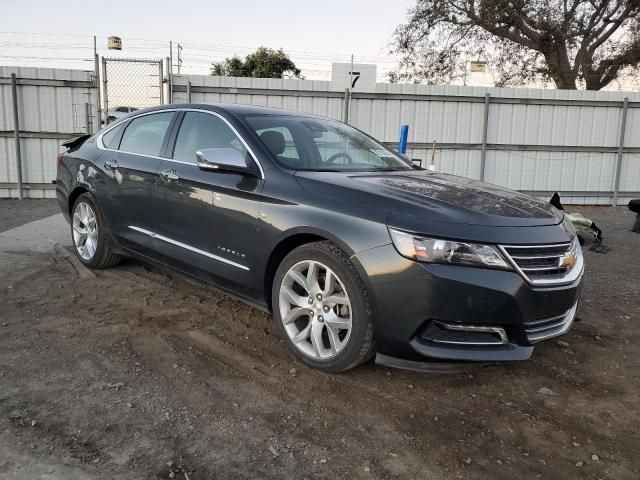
[14, 213]
[133, 373]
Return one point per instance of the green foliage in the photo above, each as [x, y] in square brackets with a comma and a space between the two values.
[570, 42]
[263, 63]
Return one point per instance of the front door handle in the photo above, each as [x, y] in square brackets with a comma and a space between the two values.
[169, 175]
[111, 165]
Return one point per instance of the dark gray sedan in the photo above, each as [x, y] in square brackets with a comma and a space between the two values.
[355, 251]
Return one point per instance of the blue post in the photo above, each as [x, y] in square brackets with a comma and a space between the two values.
[404, 135]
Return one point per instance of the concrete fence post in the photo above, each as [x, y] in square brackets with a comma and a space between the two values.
[623, 126]
[189, 91]
[16, 132]
[87, 118]
[347, 105]
[485, 127]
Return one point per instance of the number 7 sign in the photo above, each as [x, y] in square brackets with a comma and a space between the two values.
[355, 76]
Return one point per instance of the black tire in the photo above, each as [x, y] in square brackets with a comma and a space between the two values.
[360, 346]
[104, 256]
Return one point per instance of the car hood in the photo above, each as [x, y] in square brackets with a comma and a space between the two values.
[433, 196]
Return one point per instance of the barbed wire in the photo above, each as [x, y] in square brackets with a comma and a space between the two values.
[198, 56]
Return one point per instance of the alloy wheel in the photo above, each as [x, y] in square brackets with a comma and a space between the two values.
[85, 231]
[315, 310]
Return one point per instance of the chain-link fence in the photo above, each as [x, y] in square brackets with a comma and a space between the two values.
[129, 84]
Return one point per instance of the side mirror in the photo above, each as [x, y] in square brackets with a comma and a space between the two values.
[222, 159]
[417, 162]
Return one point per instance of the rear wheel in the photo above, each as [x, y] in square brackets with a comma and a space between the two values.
[92, 243]
[322, 309]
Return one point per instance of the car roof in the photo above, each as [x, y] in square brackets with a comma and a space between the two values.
[233, 108]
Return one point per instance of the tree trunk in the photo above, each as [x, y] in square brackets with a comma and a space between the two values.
[564, 81]
[593, 83]
[560, 68]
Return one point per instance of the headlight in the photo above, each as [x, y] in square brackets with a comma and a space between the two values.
[436, 250]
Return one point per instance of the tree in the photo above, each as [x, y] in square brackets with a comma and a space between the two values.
[591, 42]
[263, 63]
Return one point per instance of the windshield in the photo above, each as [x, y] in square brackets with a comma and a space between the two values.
[300, 143]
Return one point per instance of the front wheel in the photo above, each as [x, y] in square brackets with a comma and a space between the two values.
[321, 308]
[90, 238]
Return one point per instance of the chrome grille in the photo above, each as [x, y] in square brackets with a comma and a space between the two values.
[544, 328]
[546, 264]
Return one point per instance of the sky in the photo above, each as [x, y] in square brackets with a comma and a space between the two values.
[59, 33]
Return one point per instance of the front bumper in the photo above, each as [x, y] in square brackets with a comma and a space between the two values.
[417, 307]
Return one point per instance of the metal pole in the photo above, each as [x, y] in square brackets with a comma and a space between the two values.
[623, 126]
[170, 71]
[16, 132]
[105, 91]
[351, 73]
[168, 61]
[96, 67]
[189, 91]
[161, 82]
[485, 126]
[347, 100]
[350, 88]
[87, 117]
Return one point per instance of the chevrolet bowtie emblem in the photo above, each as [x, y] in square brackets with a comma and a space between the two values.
[569, 260]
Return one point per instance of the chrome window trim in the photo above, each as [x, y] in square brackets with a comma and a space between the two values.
[177, 110]
[570, 277]
[188, 247]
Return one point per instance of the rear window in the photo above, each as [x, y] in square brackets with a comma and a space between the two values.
[111, 139]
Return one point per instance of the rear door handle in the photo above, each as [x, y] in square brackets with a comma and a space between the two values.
[169, 175]
[110, 164]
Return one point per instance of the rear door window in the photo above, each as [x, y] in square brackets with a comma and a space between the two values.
[202, 130]
[145, 135]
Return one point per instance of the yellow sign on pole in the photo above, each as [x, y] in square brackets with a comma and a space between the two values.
[478, 66]
[114, 43]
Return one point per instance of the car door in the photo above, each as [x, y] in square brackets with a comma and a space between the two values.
[207, 221]
[131, 169]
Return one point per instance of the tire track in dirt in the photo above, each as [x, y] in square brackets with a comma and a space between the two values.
[225, 353]
[243, 357]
